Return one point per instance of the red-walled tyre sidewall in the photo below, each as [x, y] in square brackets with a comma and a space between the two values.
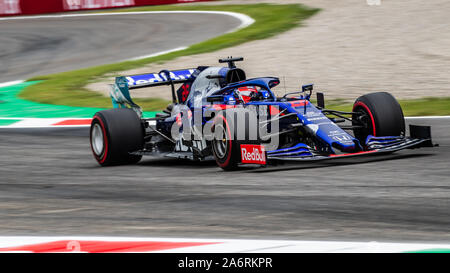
[385, 116]
[104, 154]
[234, 120]
[123, 133]
[232, 157]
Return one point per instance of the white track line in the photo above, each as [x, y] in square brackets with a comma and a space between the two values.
[157, 54]
[428, 117]
[11, 83]
[245, 22]
[30, 123]
[5, 84]
[245, 19]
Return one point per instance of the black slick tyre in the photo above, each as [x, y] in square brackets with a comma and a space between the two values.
[231, 128]
[380, 114]
[224, 145]
[114, 134]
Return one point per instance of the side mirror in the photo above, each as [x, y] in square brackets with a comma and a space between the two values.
[307, 88]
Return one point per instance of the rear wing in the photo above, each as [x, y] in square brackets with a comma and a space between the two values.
[120, 94]
[164, 77]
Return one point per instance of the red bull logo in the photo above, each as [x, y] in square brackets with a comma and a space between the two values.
[253, 154]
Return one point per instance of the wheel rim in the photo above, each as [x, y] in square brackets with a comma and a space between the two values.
[364, 119]
[97, 139]
[221, 144]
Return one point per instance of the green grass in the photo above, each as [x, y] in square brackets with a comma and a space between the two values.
[68, 88]
[426, 107]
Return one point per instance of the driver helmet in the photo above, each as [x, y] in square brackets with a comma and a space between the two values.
[246, 92]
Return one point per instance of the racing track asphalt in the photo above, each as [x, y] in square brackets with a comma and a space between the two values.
[31, 47]
[51, 185]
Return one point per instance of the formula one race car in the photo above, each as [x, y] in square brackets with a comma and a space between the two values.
[219, 114]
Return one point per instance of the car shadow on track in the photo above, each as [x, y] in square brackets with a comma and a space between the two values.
[338, 162]
[176, 163]
[182, 163]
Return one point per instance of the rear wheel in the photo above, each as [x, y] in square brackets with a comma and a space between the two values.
[379, 114]
[114, 134]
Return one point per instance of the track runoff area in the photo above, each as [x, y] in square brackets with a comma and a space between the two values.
[44, 244]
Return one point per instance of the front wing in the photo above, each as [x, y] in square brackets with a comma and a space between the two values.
[420, 136]
[406, 143]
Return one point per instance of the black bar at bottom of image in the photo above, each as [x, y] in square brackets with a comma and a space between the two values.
[217, 262]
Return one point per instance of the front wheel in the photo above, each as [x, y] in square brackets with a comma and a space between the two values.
[224, 145]
[231, 129]
[114, 134]
[377, 114]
